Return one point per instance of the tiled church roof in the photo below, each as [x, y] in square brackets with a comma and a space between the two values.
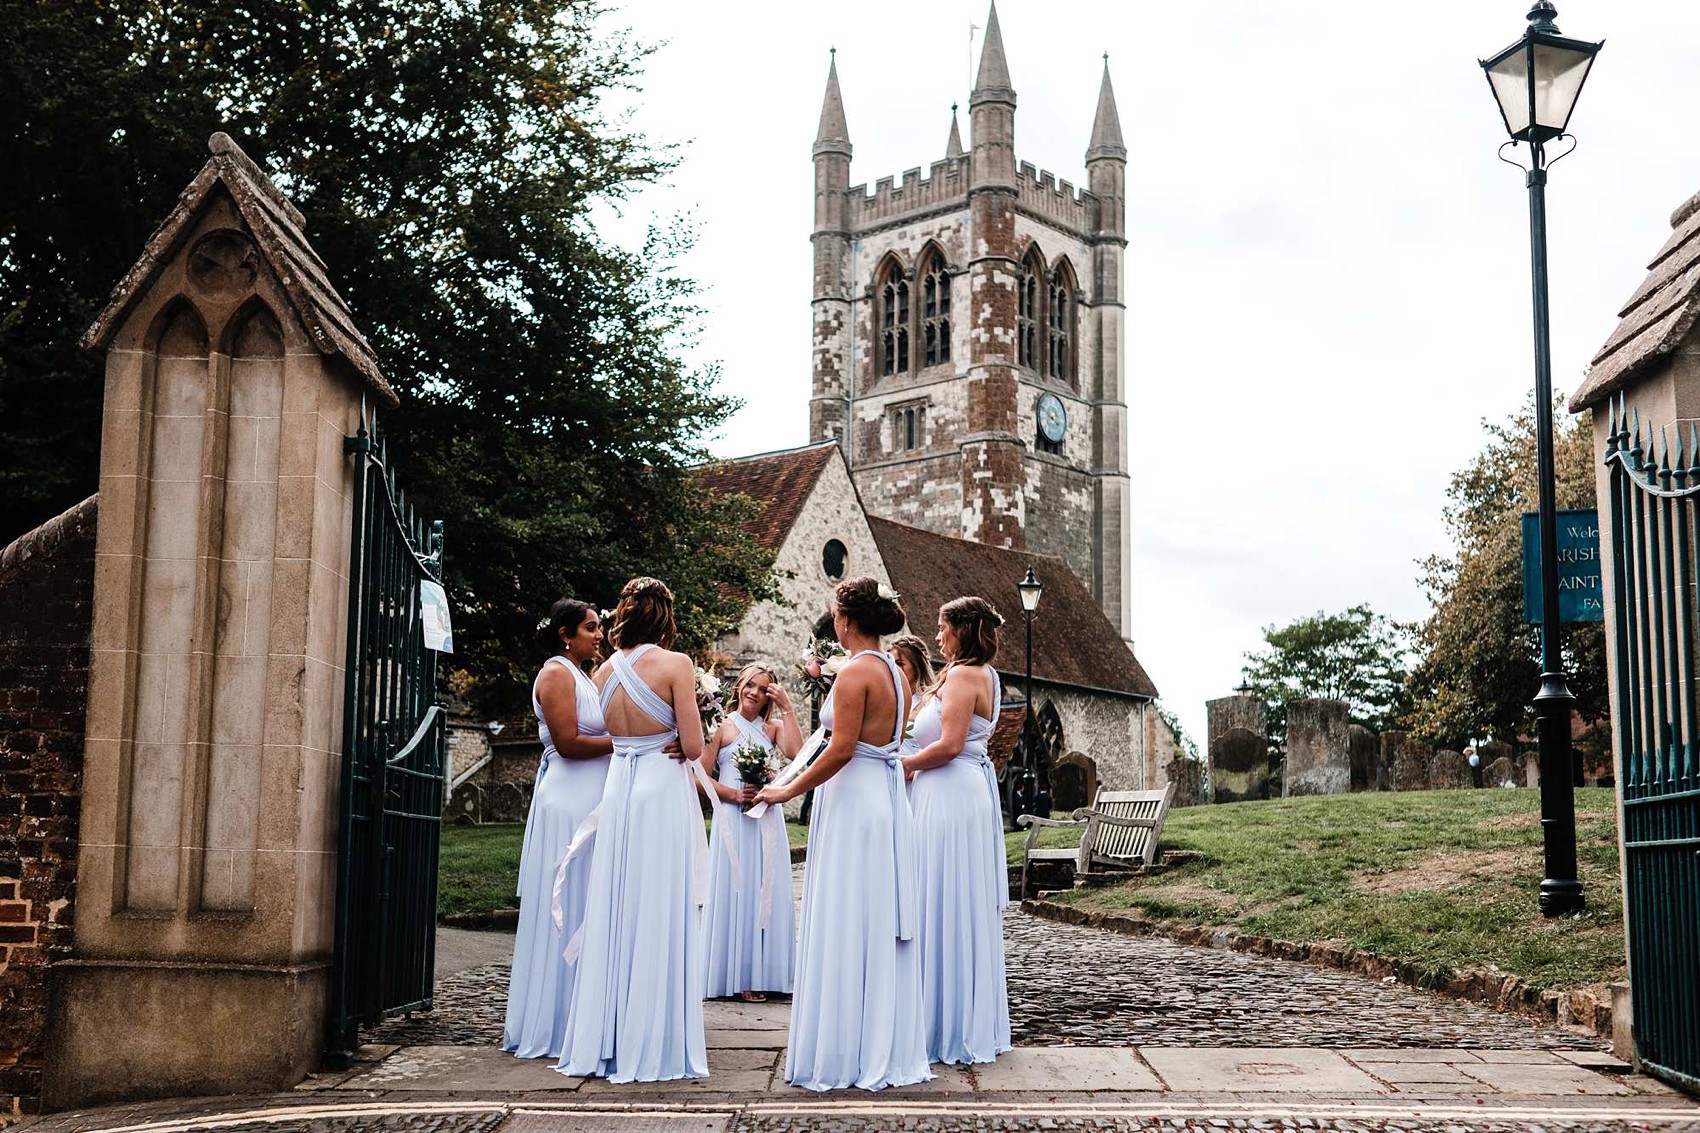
[1073, 642]
[781, 480]
[1657, 318]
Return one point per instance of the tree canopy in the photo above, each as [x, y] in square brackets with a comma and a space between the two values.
[1357, 656]
[1480, 662]
[451, 160]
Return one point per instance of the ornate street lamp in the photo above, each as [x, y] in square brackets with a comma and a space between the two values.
[1536, 82]
[1031, 590]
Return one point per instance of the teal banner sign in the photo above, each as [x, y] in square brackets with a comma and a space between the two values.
[1581, 594]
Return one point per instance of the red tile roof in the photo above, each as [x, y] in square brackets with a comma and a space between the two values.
[780, 480]
[1073, 642]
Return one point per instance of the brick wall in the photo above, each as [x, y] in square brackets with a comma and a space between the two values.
[46, 595]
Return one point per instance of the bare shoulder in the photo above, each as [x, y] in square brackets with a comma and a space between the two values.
[553, 676]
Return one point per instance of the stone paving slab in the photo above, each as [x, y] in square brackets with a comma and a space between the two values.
[1072, 1068]
[1259, 1070]
[618, 1123]
[454, 1068]
[746, 1040]
[1522, 1078]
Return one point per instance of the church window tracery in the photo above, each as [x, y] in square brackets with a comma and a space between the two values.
[1060, 339]
[1027, 316]
[908, 426]
[935, 310]
[894, 322]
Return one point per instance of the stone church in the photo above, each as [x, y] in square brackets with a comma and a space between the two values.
[967, 421]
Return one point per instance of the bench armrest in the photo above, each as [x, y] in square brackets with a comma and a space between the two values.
[1137, 823]
[1035, 821]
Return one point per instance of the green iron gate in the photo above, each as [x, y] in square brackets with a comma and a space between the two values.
[1655, 494]
[393, 761]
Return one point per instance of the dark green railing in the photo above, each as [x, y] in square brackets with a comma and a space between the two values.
[393, 761]
[1655, 491]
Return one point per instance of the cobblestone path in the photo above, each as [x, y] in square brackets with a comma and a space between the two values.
[1075, 985]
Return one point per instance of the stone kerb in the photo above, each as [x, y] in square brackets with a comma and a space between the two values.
[1318, 748]
[1364, 752]
[206, 873]
[1407, 761]
[1450, 771]
[1239, 766]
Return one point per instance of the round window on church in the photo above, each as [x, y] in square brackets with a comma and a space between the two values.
[832, 558]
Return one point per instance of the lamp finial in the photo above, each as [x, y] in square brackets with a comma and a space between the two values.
[1541, 17]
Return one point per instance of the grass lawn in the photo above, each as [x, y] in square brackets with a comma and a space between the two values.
[1444, 878]
[478, 866]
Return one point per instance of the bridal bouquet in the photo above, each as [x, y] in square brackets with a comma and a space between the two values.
[709, 705]
[820, 663]
[754, 768]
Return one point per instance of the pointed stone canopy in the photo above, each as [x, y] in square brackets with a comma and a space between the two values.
[277, 227]
[1106, 124]
[953, 147]
[994, 69]
[834, 133]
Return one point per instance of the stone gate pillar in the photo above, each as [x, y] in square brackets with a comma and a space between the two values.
[203, 918]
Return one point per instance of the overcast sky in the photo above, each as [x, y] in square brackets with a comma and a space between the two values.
[1327, 269]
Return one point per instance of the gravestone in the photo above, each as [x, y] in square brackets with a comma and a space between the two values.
[1531, 769]
[1239, 766]
[1242, 710]
[1489, 753]
[1187, 775]
[1318, 752]
[1364, 751]
[1500, 773]
[1406, 761]
[1450, 771]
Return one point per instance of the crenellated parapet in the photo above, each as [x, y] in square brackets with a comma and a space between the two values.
[946, 184]
[1042, 193]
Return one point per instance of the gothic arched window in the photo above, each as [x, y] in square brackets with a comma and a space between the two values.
[1027, 316]
[894, 322]
[1060, 339]
[935, 309]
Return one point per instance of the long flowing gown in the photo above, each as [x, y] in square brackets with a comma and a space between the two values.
[540, 988]
[964, 887]
[749, 926]
[637, 1002]
[856, 1019]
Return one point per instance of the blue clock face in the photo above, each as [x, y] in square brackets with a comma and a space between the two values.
[1053, 418]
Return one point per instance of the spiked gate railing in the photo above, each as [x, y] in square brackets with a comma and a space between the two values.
[393, 760]
[1655, 494]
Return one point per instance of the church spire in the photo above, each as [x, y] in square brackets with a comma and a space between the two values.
[953, 147]
[834, 133]
[994, 70]
[1106, 124]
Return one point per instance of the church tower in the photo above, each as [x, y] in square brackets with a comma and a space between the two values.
[968, 325]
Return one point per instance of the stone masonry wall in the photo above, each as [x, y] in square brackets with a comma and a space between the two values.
[46, 596]
[1109, 729]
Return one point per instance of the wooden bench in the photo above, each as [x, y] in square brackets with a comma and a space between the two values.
[1118, 831]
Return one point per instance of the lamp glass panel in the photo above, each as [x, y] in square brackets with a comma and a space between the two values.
[1510, 79]
[1559, 72]
[1029, 597]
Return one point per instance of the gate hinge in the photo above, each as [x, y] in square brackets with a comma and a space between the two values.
[359, 442]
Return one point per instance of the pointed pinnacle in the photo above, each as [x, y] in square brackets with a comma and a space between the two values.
[834, 132]
[994, 69]
[1106, 123]
[953, 145]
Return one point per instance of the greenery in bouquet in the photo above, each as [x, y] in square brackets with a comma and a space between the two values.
[755, 767]
[819, 665]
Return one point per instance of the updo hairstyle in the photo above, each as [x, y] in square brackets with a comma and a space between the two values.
[976, 623]
[747, 674]
[644, 615]
[859, 599]
[914, 650]
[567, 614]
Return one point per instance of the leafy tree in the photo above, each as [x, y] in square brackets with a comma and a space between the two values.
[451, 160]
[1357, 656]
[1480, 662]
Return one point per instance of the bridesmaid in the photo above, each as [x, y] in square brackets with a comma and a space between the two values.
[750, 928]
[576, 748]
[856, 1018]
[964, 884]
[637, 999]
[910, 653]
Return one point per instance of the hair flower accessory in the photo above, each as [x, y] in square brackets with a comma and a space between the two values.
[542, 623]
[887, 593]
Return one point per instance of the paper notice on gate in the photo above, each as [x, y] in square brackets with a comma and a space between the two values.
[434, 617]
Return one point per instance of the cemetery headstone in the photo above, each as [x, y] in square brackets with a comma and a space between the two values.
[1450, 771]
[1531, 769]
[1364, 751]
[1318, 748]
[1188, 777]
[1239, 766]
[1406, 761]
[1500, 773]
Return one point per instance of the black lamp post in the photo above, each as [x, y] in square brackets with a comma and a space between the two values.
[1030, 589]
[1536, 82]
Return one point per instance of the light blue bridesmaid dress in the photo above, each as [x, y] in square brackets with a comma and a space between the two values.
[856, 1018]
[964, 886]
[540, 988]
[637, 1001]
[749, 925]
